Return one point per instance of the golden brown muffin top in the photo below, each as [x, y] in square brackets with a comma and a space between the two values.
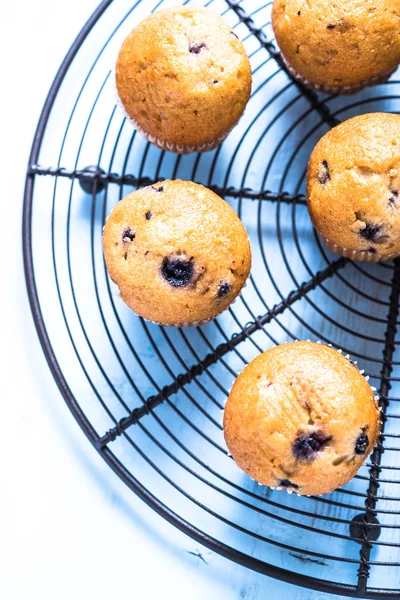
[301, 417]
[353, 184]
[337, 44]
[177, 251]
[184, 76]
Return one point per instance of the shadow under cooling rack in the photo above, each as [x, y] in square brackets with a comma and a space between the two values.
[150, 398]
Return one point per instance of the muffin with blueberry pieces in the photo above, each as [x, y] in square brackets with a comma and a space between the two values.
[301, 417]
[178, 252]
[353, 187]
[183, 78]
[338, 47]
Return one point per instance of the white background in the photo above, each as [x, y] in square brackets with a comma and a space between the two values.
[69, 528]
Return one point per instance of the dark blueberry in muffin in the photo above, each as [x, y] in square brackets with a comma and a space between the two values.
[307, 445]
[128, 235]
[285, 483]
[324, 176]
[372, 250]
[177, 270]
[394, 196]
[361, 444]
[159, 189]
[330, 26]
[196, 48]
[149, 214]
[370, 232]
[224, 289]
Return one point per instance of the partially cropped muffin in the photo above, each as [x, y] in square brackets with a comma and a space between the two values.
[338, 46]
[301, 417]
[183, 78]
[353, 187]
[178, 252]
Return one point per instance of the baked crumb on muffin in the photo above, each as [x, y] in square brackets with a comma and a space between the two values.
[301, 417]
[353, 185]
[183, 77]
[341, 46]
[178, 252]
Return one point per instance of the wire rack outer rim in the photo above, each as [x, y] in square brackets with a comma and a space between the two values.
[141, 491]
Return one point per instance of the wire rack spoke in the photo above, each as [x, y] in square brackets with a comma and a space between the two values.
[131, 180]
[214, 356]
[91, 175]
[311, 96]
[376, 457]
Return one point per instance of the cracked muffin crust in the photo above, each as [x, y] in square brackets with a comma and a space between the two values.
[340, 46]
[301, 417]
[353, 187]
[183, 78]
[178, 252]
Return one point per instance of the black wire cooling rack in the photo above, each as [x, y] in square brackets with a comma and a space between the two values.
[150, 398]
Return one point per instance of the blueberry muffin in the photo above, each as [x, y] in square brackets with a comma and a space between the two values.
[353, 187]
[183, 78]
[338, 46]
[178, 252]
[301, 417]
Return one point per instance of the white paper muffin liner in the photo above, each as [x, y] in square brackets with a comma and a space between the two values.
[362, 255]
[376, 398]
[345, 89]
[180, 325]
[176, 148]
